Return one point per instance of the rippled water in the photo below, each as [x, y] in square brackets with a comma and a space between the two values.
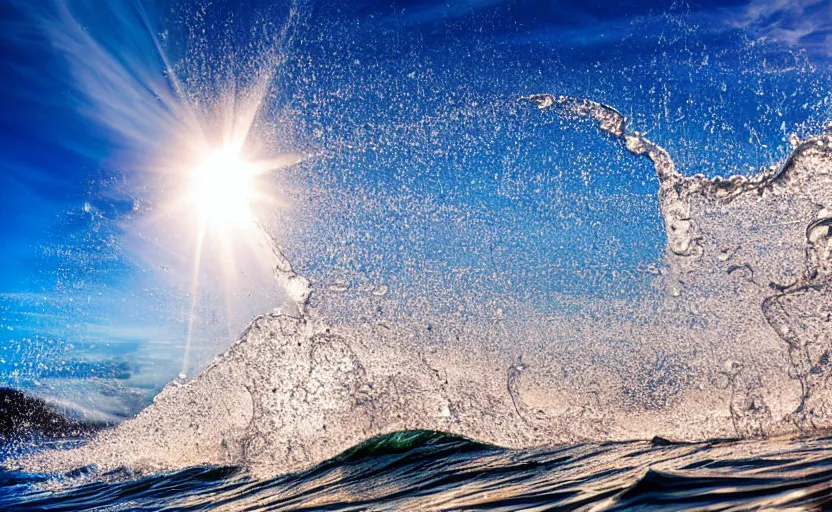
[421, 470]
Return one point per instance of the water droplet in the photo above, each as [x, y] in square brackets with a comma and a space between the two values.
[340, 285]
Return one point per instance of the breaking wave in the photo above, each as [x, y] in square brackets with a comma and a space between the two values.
[733, 343]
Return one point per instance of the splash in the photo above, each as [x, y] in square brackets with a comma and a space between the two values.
[735, 345]
[769, 234]
[192, 157]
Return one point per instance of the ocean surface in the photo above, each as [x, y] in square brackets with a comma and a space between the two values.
[420, 470]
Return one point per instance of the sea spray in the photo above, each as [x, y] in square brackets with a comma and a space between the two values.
[736, 345]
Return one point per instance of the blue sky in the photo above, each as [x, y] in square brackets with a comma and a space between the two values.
[424, 162]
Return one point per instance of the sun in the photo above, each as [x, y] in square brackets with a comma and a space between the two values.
[219, 194]
[221, 190]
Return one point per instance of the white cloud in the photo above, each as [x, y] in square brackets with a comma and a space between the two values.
[797, 23]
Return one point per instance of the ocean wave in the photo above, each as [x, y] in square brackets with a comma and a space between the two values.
[735, 346]
[431, 471]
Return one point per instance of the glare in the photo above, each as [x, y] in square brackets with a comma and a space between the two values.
[220, 193]
[222, 189]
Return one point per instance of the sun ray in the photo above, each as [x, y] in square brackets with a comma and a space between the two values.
[200, 238]
[220, 192]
